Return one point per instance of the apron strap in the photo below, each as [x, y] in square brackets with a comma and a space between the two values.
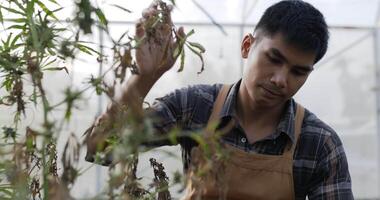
[213, 120]
[300, 113]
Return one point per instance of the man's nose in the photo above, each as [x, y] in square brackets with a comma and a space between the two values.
[280, 77]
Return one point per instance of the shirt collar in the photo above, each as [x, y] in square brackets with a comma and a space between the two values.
[287, 120]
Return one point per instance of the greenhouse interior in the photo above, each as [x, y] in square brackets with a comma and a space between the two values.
[343, 89]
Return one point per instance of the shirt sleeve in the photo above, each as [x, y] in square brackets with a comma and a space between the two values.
[167, 111]
[165, 114]
[331, 179]
[185, 109]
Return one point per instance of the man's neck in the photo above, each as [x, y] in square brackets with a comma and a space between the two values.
[256, 117]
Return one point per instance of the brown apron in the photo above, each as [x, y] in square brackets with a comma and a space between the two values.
[245, 175]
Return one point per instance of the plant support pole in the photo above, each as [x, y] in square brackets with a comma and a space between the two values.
[377, 81]
[376, 32]
[100, 105]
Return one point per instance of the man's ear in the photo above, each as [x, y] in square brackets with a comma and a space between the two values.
[246, 45]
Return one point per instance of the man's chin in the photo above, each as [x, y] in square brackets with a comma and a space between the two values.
[269, 103]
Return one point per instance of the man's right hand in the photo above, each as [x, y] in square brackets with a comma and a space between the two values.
[96, 136]
[154, 54]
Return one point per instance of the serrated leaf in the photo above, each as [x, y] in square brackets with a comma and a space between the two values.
[15, 39]
[199, 55]
[122, 8]
[101, 17]
[198, 46]
[182, 64]
[22, 27]
[6, 192]
[1, 17]
[83, 49]
[18, 45]
[54, 2]
[18, 20]
[7, 43]
[12, 10]
[52, 53]
[49, 63]
[19, 5]
[86, 49]
[45, 9]
[60, 29]
[29, 9]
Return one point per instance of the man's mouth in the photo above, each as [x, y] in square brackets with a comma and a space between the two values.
[272, 92]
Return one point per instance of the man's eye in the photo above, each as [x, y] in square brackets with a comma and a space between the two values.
[274, 60]
[299, 72]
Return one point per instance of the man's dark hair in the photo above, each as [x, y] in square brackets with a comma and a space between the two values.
[299, 22]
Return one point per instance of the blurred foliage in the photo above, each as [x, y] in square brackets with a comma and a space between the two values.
[35, 44]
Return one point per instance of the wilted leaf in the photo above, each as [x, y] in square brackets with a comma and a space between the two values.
[177, 50]
[181, 42]
[70, 159]
[56, 69]
[199, 54]
[198, 46]
[12, 10]
[182, 64]
[189, 33]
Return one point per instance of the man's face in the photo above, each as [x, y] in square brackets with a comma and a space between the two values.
[275, 70]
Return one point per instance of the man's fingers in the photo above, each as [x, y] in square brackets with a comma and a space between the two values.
[140, 31]
[170, 7]
[149, 12]
[169, 15]
[154, 4]
[180, 32]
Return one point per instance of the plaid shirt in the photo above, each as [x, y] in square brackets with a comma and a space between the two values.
[320, 169]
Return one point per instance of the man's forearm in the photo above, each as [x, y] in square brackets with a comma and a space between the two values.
[134, 93]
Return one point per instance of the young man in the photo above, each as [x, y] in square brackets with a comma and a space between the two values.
[283, 151]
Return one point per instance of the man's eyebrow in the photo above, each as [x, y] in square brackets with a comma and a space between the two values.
[278, 54]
